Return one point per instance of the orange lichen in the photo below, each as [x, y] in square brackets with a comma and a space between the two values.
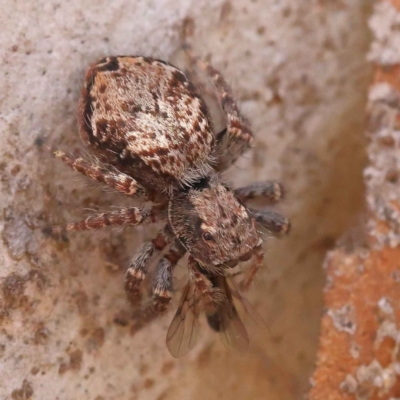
[360, 362]
[359, 352]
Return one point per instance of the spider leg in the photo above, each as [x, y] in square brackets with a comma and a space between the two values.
[219, 307]
[123, 216]
[203, 285]
[140, 263]
[161, 288]
[271, 191]
[116, 180]
[272, 221]
[233, 141]
[259, 257]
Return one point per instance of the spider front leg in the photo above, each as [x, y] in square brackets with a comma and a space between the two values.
[270, 191]
[237, 137]
[210, 296]
[140, 263]
[259, 257]
[161, 287]
[116, 180]
[272, 221]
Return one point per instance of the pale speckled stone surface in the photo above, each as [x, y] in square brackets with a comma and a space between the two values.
[299, 72]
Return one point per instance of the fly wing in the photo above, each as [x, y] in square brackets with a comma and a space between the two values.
[247, 306]
[182, 333]
[225, 319]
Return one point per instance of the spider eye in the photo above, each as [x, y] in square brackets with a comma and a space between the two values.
[208, 236]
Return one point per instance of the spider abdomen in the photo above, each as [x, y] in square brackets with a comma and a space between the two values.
[145, 118]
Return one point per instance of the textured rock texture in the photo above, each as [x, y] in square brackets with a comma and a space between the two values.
[299, 71]
[359, 353]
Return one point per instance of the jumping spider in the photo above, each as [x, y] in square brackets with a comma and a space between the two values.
[151, 130]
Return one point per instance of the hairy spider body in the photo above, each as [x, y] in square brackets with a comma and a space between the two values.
[152, 132]
[146, 119]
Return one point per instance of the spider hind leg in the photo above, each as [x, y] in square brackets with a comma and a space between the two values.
[237, 137]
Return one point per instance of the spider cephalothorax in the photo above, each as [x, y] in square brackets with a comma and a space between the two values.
[212, 224]
[153, 136]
